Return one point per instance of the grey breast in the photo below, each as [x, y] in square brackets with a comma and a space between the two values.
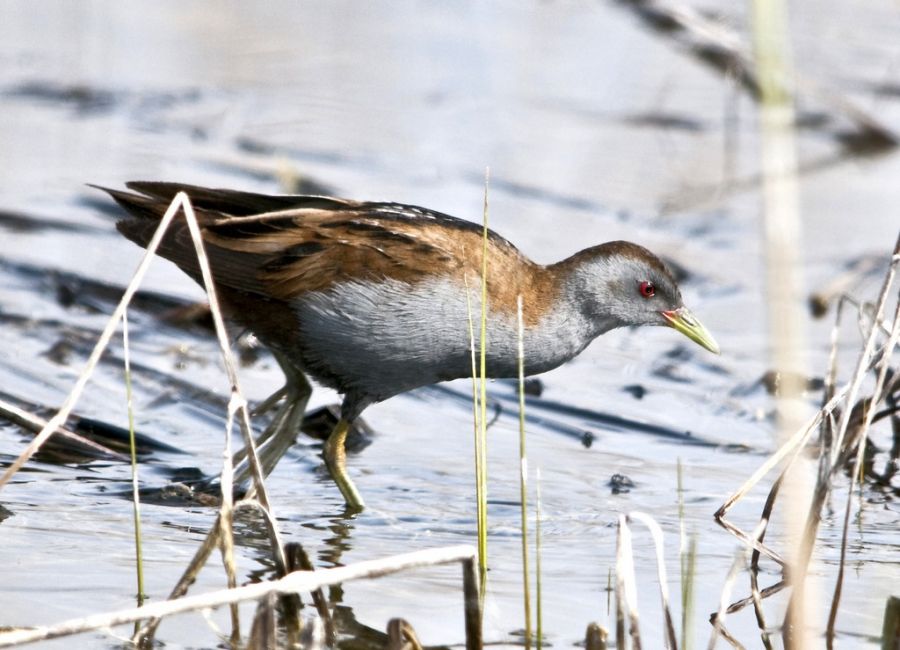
[385, 338]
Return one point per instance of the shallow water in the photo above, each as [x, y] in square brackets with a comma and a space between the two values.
[594, 129]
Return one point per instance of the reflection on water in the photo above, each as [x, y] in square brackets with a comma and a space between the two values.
[591, 125]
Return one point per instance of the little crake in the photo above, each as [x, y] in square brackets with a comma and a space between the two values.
[371, 298]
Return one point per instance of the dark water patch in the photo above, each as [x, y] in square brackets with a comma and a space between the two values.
[84, 99]
[270, 171]
[673, 372]
[889, 89]
[109, 436]
[769, 382]
[74, 290]
[637, 391]
[599, 419]
[343, 158]
[666, 121]
[23, 222]
[99, 204]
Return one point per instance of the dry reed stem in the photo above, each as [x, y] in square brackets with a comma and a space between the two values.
[298, 560]
[687, 555]
[794, 444]
[755, 595]
[828, 466]
[657, 535]
[81, 382]
[764, 593]
[402, 636]
[718, 619]
[263, 633]
[237, 404]
[226, 517]
[595, 637]
[180, 202]
[626, 588]
[861, 447]
[836, 444]
[299, 581]
[868, 351]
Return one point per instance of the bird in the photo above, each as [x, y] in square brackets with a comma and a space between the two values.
[374, 299]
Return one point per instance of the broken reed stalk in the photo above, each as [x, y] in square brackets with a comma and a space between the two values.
[221, 533]
[226, 521]
[523, 474]
[657, 535]
[890, 628]
[181, 203]
[755, 594]
[298, 581]
[237, 404]
[718, 619]
[870, 356]
[112, 324]
[626, 588]
[135, 484]
[626, 584]
[858, 465]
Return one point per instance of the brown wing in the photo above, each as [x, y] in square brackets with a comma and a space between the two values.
[283, 246]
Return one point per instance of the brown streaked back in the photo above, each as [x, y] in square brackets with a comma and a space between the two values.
[281, 247]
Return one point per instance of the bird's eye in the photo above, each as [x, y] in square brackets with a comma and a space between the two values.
[647, 289]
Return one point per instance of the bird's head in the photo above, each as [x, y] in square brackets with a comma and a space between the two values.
[620, 284]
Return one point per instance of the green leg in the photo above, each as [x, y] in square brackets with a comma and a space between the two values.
[281, 432]
[335, 460]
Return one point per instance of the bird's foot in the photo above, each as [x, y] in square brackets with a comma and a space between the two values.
[335, 461]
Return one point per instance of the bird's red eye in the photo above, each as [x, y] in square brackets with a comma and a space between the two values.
[647, 289]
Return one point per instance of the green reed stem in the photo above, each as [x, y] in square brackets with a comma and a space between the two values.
[537, 562]
[688, 560]
[523, 475]
[480, 501]
[136, 499]
[481, 468]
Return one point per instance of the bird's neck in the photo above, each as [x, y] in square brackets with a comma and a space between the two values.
[581, 292]
[563, 320]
